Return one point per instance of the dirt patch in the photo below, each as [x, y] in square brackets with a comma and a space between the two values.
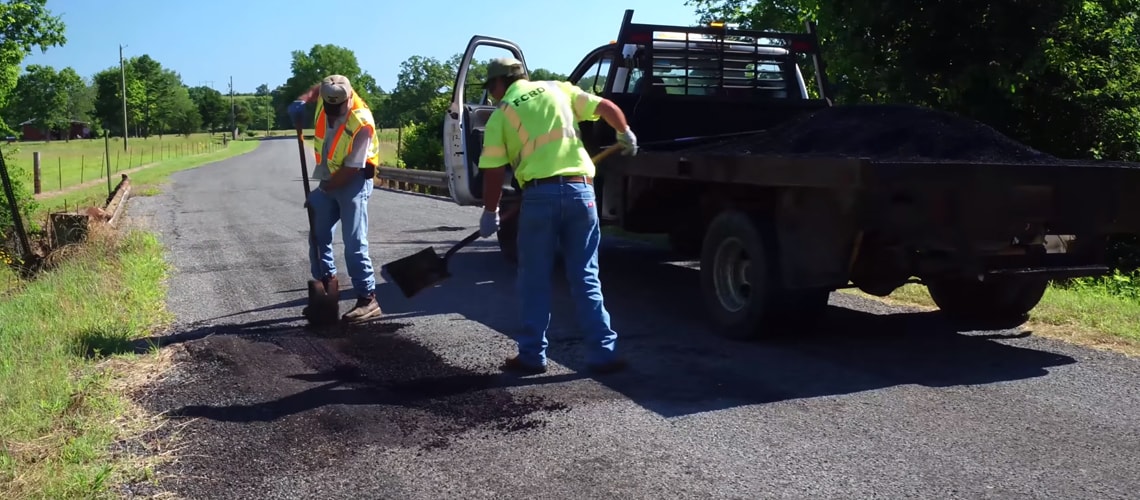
[888, 132]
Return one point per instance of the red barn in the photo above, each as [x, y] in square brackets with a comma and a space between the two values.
[78, 130]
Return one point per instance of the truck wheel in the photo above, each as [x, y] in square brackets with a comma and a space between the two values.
[508, 237]
[1001, 302]
[735, 275]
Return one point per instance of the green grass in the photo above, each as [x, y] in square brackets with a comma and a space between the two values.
[60, 408]
[1091, 309]
[142, 179]
[68, 163]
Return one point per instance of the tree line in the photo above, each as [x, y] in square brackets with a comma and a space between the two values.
[158, 102]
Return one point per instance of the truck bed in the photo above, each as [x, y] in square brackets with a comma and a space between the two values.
[909, 153]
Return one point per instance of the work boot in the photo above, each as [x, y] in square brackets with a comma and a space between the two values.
[515, 365]
[365, 308]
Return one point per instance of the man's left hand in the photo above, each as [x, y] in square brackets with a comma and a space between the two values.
[628, 142]
[488, 223]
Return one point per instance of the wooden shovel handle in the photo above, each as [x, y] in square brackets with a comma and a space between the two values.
[606, 153]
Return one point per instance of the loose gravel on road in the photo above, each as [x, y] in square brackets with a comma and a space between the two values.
[872, 401]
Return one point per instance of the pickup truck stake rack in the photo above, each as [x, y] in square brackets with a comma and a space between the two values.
[790, 197]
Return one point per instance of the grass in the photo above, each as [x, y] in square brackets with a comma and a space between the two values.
[1085, 314]
[142, 181]
[68, 163]
[62, 402]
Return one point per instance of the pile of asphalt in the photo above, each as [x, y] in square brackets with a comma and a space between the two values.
[888, 132]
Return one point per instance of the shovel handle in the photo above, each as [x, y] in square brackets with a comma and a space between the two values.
[606, 153]
[475, 235]
[304, 166]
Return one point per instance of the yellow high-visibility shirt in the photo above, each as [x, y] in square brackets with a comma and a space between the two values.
[535, 130]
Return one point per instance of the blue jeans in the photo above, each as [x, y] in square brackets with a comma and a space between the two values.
[562, 215]
[347, 205]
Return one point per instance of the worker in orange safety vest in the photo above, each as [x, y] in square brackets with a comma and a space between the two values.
[347, 152]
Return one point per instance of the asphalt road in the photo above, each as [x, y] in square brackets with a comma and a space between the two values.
[873, 402]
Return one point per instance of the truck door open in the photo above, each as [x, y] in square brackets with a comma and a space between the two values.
[467, 117]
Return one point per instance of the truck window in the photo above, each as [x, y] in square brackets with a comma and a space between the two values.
[473, 92]
[677, 66]
[594, 80]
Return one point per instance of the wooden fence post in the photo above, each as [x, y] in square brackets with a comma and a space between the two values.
[36, 171]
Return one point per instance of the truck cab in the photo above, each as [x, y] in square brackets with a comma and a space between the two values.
[670, 81]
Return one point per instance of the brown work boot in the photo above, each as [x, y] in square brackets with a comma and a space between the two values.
[365, 308]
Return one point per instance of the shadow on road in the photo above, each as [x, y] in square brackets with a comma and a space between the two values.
[679, 366]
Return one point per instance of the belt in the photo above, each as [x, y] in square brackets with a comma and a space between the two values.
[559, 179]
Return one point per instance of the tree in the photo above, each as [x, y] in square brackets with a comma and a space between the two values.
[158, 86]
[212, 107]
[417, 97]
[25, 24]
[80, 97]
[108, 105]
[1057, 75]
[308, 70]
[39, 98]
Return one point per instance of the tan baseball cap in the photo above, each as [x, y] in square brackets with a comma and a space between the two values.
[336, 89]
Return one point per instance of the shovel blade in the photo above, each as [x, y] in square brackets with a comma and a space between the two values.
[324, 302]
[418, 271]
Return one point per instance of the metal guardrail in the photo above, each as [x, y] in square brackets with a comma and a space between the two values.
[402, 178]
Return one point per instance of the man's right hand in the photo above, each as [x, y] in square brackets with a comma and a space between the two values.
[488, 223]
[297, 112]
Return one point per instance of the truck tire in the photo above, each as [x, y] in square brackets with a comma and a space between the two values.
[736, 274]
[1000, 302]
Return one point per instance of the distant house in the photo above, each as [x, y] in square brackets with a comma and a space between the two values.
[77, 130]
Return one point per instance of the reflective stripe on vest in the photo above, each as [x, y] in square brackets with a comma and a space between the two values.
[568, 130]
[357, 118]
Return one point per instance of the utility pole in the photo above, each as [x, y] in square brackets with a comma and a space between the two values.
[123, 75]
[233, 114]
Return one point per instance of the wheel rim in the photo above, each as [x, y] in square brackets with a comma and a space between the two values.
[730, 277]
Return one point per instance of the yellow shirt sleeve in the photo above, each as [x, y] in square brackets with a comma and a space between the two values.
[585, 104]
[494, 152]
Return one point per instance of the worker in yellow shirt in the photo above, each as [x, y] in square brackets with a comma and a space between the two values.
[535, 130]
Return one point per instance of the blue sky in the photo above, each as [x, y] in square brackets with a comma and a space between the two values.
[212, 40]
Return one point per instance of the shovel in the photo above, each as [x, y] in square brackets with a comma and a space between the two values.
[425, 268]
[324, 295]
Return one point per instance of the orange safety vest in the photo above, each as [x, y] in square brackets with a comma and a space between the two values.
[359, 117]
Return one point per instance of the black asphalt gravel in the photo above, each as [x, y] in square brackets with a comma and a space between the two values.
[873, 402]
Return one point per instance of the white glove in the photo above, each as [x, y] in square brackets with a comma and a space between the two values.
[488, 223]
[628, 142]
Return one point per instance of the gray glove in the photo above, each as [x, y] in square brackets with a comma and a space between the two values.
[628, 142]
[488, 223]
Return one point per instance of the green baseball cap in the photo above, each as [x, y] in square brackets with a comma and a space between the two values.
[504, 66]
